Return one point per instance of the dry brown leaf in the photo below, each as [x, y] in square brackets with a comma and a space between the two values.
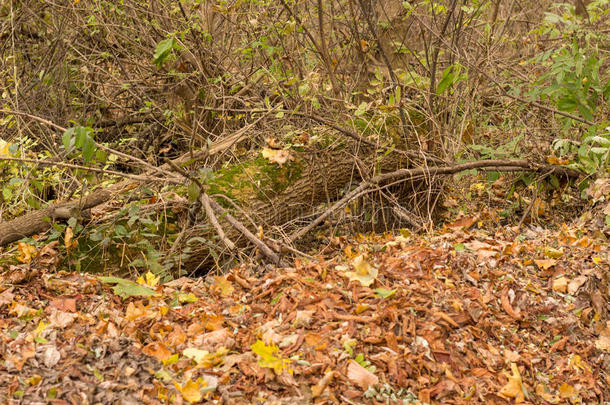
[360, 375]
[321, 385]
[545, 264]
[560, 284]
[576, 283]
[505, 301]
[603, 342]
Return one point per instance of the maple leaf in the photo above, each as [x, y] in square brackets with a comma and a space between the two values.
[514, 388]
[223, 285]
[191, 390]
[268, 357]
[157, 350]
[151, 280]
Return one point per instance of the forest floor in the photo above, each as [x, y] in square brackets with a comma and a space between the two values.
[473, 312]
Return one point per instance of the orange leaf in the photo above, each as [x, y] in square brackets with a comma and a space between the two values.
[157, 350]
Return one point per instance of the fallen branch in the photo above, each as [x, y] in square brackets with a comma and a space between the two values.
[403, 175]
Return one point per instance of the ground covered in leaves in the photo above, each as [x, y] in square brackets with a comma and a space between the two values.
[459, 316]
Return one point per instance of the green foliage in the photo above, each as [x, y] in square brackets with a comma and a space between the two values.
[576, 80]
[127, 288]
[451, 75]
[80, 139]
[164, 50]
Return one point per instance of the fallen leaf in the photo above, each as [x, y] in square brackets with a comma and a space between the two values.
[567, 391]
[190, 390]
[545, 264]
[553, 253]
[321, 385]
[26, 252]
[50, 356]
[505, 301]
[149, 279]
[360, 375]
[279, 156]
[575, 284]
[157, 350]
[560, 284]
[223, 286]
[61, 319]
[64, 304]
[514, 388]
[364, 272]
[603, 342]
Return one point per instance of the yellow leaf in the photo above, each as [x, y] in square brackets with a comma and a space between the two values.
[553, 253]
[151, 280]
[566, 391]
[268, 357]
[360, 308]
[190, 390]
[223, 285]
[173, 359]
[514, 388]
[26, 252]
[576, 362]
[4, 148]
[203, 358]
[40, 328]
[34, 380]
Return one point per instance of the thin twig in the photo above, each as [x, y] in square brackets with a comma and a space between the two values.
[91, 169]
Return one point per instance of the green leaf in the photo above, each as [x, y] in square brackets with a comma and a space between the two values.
[68, 139]
[89, 148]
[446, 80]
[567, 104]
[193, 192]
[492, 176]
[126, 288]
[384, 293]
[164, 48]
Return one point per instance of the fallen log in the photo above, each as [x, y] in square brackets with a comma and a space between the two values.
[270, 194]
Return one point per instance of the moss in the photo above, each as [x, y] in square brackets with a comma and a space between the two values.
[257, 177]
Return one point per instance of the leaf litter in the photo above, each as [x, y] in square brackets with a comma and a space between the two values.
[462, 316]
